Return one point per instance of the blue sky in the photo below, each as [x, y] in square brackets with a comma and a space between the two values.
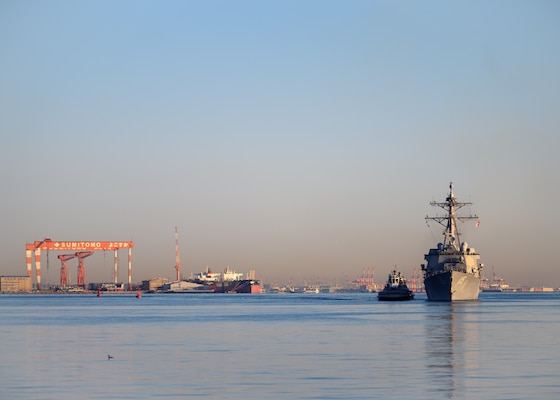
[302, 139]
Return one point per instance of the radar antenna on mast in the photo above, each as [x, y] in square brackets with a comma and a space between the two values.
[449, 221]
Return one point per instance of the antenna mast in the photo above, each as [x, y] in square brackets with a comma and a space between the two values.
[449, 221]
[177, 255]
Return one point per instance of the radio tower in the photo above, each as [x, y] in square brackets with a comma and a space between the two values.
[177, 256]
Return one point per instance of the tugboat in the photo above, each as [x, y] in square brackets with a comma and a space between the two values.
[395, 289]
[453, 269]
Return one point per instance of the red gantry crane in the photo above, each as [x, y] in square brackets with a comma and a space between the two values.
[83, 250]
[63, 270]
[82, 268]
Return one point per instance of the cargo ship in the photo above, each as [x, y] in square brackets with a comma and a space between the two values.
[453, 269]
[227, 281]
[207, 281]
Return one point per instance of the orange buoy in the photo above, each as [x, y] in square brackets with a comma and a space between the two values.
[138, 295]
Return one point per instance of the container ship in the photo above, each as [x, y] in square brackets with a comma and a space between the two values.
[453, 269]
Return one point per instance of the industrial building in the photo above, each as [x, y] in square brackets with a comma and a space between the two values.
[151, 285]
[15, 284]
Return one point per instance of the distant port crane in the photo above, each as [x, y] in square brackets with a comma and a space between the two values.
[85, 247]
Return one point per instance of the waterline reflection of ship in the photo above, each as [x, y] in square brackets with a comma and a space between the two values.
[453, 270]
[451, 332]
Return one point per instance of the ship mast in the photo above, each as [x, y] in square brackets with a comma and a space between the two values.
[449, 221]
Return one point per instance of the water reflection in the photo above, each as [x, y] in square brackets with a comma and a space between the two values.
[452, 344]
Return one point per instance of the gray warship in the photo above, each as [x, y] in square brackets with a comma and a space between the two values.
[453, 269]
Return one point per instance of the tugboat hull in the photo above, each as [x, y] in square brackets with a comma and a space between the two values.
[452, 286]
[395, 289]
[395, 295]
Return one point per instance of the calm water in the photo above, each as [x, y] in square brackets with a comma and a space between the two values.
[279, 346]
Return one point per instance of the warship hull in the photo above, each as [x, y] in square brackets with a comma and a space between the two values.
[452, 286]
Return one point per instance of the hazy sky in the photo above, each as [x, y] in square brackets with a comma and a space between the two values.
[302, 139]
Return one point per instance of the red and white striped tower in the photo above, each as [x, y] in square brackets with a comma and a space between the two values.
[34, 248]
[129, 268]
[177, 255]
[28, 255]
[116, 267]
[38, 267]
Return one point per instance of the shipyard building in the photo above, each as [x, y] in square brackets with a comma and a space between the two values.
[152, 285]
[15, 284]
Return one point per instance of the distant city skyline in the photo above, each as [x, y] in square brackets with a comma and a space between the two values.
[304, 140]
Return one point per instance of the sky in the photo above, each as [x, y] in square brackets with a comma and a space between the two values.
[302, 139]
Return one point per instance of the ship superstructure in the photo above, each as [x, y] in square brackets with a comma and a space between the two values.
[453, 269]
